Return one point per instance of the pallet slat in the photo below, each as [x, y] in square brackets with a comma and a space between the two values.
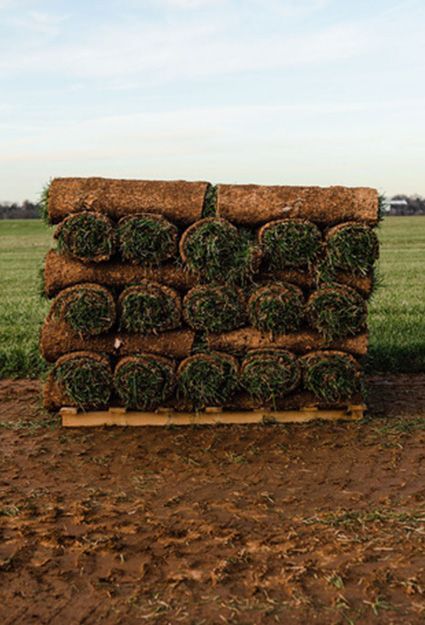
[71, 417]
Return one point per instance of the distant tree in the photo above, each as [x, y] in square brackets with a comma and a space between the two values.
[402, 204]
[13, 210]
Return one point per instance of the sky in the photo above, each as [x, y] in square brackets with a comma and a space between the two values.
[267, 91]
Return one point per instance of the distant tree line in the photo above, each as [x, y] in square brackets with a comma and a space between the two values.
[406, 205]
[13, 210]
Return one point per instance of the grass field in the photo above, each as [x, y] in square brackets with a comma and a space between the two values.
[397, 312]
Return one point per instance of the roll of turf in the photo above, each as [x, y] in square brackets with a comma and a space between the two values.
[270, 374]
[83, 379]
[89, 237]
[276, 308]
[336, 312]
[145, 381]
[352, 247]
[89, 309]
[331, 376]
[177, 200]
[207, 379]
[149, 308]
[147, 239]
[216, 251]
[289, 244]
[252, 204]
[214, 308]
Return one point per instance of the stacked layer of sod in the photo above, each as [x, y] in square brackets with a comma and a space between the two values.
[204, 296]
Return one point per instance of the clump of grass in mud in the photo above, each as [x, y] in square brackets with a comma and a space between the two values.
[207, 379]
[145, 381]
[276, 308]
[270, 374]
[331, 376]
[147, 239]
[336, 312]
[351, 247]
[86, 379]
[290, 243]
[148, 308]
[89, 237]
[88, 308]
[218, 252]
[214, 308]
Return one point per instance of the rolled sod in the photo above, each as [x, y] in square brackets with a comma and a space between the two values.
[352, 247]
[57, 339]
[214, 308]
[289, 243]
[148, 308]
[89, 309]
[270, 374]
[176, 200]
[82, 379]
[253, 205]
[207, 379]
[61, 272]
[332, 376]
[216, 251]
[147, 239]
[89, 237]
[336, 312]
[309, 280]
[276, 308]
[145, 381]
[238, 341]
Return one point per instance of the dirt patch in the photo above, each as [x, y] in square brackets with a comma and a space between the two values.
[322, 523]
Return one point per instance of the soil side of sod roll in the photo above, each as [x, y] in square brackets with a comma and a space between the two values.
[88, 237]
[309, 280]
[147, 239]
[57, 339]
[207, 379]
[61, 272]
[82, 379]
[351, 247]
[253, 205]
[239, 341]
[332, 376]
[88, 309]
[336, 312]
[214, 308]
[276, 308]
[289, 243]
[149, 308]
[270, 374]
[176, 200]
[145, 381]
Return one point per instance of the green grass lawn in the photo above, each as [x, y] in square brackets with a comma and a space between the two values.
[397, 312]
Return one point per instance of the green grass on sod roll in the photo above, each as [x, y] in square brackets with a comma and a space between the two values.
[214, 308]
[149, 308]
[218, 252]
[147, 239]
[207, 379]
[87, 236]
[352, 247]
[87, 308]
[331, 376]
[290, 243]
[210, 201]
[336, 312]
[270, 374]
[276, 308]
[144, 382]
[86, 381]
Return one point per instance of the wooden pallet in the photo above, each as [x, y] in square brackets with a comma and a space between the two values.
[71, 417]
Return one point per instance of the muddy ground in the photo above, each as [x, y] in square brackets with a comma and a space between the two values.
[296, 524]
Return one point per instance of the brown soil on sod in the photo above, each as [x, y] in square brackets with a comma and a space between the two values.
[238, 341]
[176, 200]
[253, 525]
[362, 284]
[253, 205]
[57, 339]
[61, 272]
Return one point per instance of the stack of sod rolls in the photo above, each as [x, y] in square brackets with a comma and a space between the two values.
[185, 295]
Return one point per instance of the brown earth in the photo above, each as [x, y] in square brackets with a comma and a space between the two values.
[320, 523]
